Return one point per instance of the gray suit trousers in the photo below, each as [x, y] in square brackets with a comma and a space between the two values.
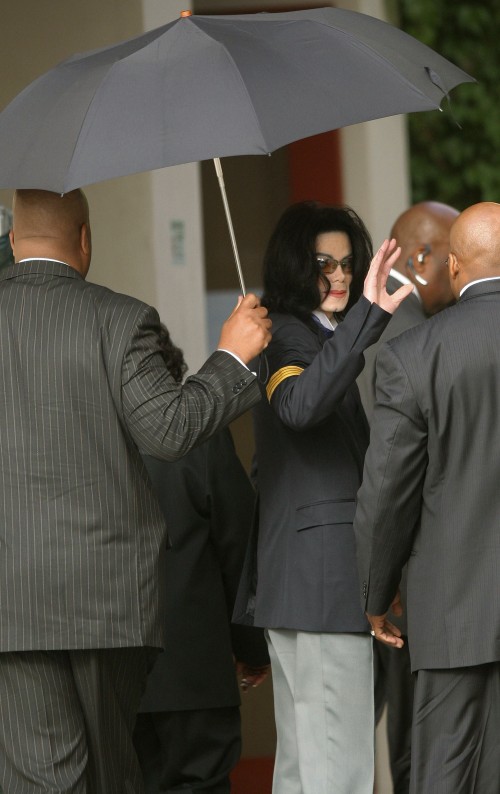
[456, 731]
[72, 717]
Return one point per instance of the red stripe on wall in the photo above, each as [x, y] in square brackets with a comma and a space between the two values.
[315, 169]
[252, 776]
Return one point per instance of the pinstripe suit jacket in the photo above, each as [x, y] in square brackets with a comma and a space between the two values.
[430, 492]
[84, 390]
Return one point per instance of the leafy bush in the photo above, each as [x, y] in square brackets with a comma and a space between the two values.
[458, 166]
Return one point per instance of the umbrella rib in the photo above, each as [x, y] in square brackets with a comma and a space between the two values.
[84, 118]
[376, 54]
[230, 58]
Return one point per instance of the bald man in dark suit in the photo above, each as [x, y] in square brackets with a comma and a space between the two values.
[85, 390]
[430, 498]
[423, 233]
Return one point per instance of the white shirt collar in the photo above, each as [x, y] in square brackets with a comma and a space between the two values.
[40, 259]
[330, 325]
[478, 281]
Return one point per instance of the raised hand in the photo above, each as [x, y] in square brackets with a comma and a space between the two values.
[376, 280]
[247, 331]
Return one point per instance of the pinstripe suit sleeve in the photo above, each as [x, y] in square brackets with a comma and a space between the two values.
[389, 500]
[165, 419]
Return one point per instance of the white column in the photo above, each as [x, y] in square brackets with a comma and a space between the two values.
[178, 233]
[376, 183]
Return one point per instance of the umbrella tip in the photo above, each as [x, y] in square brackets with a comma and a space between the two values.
[186, 14]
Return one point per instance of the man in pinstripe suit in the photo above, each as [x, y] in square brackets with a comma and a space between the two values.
[85, 390]
[430, 496]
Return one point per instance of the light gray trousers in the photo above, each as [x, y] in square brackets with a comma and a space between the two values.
[324, 711]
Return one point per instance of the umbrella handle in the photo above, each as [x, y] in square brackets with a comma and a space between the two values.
[220, 177]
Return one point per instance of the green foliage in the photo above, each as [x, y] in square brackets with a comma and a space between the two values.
[449, 164]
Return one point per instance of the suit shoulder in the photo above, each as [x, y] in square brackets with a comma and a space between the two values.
[430, 330]
[292, 342]
[286, 320]
[105, 295]
[288, 328]
[118, 304]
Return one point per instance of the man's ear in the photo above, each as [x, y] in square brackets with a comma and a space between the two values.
[453, 267]
[85, 242]
[11, 238]
[416, 265]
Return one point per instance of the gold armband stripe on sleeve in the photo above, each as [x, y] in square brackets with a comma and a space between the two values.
[279, 376]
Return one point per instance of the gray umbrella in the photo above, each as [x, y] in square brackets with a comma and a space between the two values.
[210, 86]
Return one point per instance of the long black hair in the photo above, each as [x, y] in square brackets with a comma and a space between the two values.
[172, 355]
[290, 271]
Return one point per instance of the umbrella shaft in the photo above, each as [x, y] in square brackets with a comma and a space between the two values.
[220, 177]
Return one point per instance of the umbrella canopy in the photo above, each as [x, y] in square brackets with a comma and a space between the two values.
[211, 86]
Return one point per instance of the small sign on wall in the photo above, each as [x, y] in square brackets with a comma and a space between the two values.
[178, 242]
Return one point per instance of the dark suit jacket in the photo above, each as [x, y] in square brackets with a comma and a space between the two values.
[207, 500]
[430, 490]
[408, 314]
[311, 435]
[84, 390]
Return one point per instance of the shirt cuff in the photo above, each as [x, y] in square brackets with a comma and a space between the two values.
[234, 356]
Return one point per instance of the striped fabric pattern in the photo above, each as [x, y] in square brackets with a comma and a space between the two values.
[74, 716]
[279, 376]
[84, 389]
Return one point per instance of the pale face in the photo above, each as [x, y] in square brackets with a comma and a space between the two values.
[335, 246]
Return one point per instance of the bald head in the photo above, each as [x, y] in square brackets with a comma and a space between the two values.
[475, 245]
[47, 225]
[423, 233]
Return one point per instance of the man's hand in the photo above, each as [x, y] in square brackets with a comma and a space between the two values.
[397, 607]
[375, 282]
[247, 331]
[383, 629]
[251, 676]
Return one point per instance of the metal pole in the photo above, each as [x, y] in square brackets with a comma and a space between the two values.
[220, 177]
